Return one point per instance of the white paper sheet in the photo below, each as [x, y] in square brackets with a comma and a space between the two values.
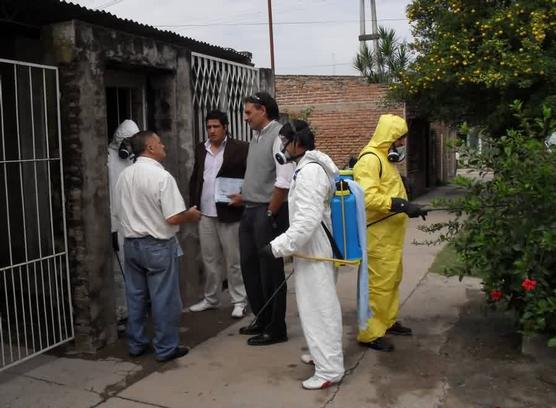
[224, 186]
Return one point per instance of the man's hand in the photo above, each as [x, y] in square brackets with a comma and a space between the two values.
[236, 200]
[266, 251]
[193, 214]
[115, 245]
[412, 210]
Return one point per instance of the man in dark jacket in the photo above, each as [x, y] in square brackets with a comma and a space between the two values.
[218, 161]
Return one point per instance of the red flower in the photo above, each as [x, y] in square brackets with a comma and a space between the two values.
[495, 295]
[528, 284]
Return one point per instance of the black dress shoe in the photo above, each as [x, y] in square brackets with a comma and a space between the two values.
[380, 344]
[398, 329]
[143, 351]
[265, 339]
[178, 352]
[251, 329]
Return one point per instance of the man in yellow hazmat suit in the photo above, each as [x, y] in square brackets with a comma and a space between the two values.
[384, 195]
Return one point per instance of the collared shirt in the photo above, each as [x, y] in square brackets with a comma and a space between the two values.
[213, 162]
[284, 172]
[146, 196]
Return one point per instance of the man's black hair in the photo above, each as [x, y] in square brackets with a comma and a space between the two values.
[300, 132]
[264, 99]
[139, 141]
[219, 115]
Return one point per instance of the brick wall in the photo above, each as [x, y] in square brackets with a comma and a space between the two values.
[344, 110]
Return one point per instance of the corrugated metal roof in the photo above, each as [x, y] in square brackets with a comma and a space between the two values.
[42, 12]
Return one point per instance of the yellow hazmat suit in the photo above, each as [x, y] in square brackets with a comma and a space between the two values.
[385, 239]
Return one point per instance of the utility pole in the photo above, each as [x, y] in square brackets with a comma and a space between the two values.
[271, 35]
[363, 36]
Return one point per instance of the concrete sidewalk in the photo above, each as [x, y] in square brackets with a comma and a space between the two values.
[451, 360]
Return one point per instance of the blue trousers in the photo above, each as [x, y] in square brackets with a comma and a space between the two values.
[152, 272]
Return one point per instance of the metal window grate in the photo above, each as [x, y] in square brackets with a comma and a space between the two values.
[35, 303]
[221, 84]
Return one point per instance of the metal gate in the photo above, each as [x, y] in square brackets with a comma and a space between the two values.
[221, 84]
[35, 302]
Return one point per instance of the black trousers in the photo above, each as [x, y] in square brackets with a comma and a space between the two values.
[262, 274]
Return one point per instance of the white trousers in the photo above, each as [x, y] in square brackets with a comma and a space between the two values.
[321, 316]
[220, 254]
[119, 283]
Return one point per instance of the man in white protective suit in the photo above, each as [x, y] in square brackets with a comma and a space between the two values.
[309, 196]
[119, 158]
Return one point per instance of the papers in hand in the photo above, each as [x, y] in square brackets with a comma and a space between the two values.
[224, 186]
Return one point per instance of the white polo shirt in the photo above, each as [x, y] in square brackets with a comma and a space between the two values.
[146, 196]
[284, 172]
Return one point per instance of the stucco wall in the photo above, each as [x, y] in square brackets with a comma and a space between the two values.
[83, 52]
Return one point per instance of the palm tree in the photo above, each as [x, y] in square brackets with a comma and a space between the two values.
[386, 64]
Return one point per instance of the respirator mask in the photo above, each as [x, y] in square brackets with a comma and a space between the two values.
[396, 154]
[124, 151]
[283, 156]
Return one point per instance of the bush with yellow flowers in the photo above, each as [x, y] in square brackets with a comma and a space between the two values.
[474, 57]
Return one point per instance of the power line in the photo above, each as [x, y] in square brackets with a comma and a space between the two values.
[318, 66]
[108, 4]
[275, 23]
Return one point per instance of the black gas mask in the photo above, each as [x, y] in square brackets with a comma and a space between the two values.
[396, 154]
[124, 151]
[303, 135]
[283, 157]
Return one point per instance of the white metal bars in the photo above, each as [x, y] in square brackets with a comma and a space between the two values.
[221, 84]
[35, 304]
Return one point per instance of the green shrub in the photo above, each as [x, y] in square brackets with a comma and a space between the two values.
[505, 229]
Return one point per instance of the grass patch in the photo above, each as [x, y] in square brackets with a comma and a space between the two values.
[447, 262]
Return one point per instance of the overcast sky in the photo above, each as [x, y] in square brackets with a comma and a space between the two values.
[324, 42]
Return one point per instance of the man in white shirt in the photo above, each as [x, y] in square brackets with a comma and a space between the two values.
[150, 209]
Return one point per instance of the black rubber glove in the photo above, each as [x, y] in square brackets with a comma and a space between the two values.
[412, 210]
[115, 245]
[266, 251]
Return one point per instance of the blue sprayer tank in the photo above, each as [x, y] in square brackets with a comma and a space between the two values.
[344, 221]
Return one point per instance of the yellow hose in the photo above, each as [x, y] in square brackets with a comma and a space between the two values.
[334, 260]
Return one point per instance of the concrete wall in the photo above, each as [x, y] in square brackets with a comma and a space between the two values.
[445, 137]
[83, 52]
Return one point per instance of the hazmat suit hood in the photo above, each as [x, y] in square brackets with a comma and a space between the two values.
[389, 129]
[326, 163]
[126, 129]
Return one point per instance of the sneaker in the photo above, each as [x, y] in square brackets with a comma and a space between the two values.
[317, 383]
[307, 359]
[239, 311]
[202, 306]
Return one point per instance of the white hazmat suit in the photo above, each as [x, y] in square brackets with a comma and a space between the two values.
[115, 167]
[309, 198]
